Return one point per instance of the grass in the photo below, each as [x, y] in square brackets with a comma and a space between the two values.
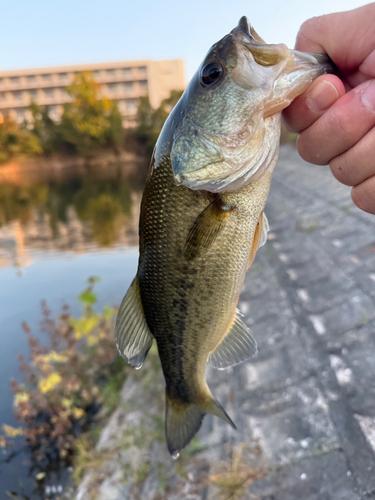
[310, 229]
[236, 476]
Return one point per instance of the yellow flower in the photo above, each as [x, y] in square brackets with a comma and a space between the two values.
[92, 340]
[3, 442]
[55, 357]
[67, 403]
[21, 397]
[83, 326]
[78, 412]
[12, 431]
[49, 383]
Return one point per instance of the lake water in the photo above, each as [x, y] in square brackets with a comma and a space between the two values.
[54, 235]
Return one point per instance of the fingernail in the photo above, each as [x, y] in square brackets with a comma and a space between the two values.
[368, 97]
[322, 96]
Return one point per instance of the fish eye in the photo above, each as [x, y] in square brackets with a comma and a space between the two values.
[211, 73]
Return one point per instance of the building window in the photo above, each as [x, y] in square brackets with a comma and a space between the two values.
[97, 73]
[111, 72]
[17, 96]
[46, 77]
[142, 70]
[121, 105]
[49, 92]
[3, 96]
[30, 78]
[63, 76]
[63, 93]
[112, 87]
[20, 113]
[126, 71]
[1, 81]
[54, 112]
[128, 86]
[14, 79]
[33, 93]
[131, 105]
[143, 84]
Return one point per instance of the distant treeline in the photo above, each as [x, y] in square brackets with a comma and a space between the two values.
[89, 124]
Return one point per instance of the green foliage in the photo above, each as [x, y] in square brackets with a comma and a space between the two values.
[16, 141]
[17, 202]
[87, 297]
[45, 129]
[100, 204]
[88, 122]
[151, 121]
[79, 370]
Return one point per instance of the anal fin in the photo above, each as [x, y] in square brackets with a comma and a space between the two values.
[237, 346]
[133, 336]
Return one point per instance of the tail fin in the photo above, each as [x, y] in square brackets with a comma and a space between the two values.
[183, 421]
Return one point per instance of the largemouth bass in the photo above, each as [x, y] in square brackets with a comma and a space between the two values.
[202, 220]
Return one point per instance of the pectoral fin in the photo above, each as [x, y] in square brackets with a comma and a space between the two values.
[237, 346]
[260, 237]
[133, 336]
[206, 228]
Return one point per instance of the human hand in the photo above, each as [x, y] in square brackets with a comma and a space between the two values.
[335, 116]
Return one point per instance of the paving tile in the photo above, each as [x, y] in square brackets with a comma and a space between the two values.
[322, 477]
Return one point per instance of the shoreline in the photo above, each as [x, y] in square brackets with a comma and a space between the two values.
[122, 166]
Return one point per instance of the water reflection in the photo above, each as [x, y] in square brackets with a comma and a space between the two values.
[74, 216]
[45, 220]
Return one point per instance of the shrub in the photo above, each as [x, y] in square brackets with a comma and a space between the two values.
[63, 385]
[16, 141]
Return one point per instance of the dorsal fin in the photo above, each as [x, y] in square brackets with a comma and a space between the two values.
[237, 346]
[133, 336]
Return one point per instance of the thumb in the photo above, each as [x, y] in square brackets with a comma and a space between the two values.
[313, 103]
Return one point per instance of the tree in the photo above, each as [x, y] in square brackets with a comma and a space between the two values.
[150, 121]
[16, 141]
[47, 131]
[89, 122]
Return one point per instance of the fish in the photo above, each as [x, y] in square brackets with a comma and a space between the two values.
[202, 220]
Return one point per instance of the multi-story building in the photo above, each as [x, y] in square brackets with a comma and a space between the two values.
[123, 81]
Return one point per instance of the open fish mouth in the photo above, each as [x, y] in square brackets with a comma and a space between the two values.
[271, 54]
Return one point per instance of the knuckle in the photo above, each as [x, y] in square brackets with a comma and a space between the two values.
[339, 123]
[309, 32]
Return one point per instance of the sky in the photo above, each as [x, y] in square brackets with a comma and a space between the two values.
[41, 33]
